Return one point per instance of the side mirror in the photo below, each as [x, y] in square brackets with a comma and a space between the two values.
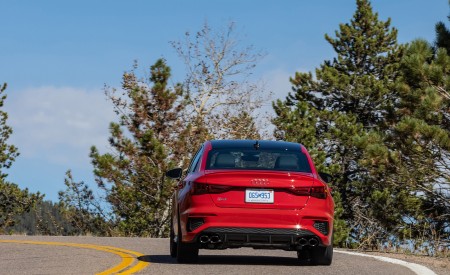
[175, 173]
[326, 177]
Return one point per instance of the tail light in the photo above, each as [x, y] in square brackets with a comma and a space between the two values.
[300, 191]
[319, 192]
[203, 188]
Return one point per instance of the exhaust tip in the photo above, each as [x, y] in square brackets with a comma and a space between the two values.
[215, 239]
[313, 242]
[204, 239]
[302, 241]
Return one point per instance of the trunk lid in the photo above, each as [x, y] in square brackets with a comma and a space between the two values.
[233, 188]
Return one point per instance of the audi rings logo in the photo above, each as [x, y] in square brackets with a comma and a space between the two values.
[260, 181]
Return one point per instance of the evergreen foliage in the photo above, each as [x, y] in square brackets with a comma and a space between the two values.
[45, 218]
[442, 36]
[345, 112]
[13, 200]
[84, 212]
[422, 139]
[378, 115]
[77, 213]
[144, 144]
[8, 152]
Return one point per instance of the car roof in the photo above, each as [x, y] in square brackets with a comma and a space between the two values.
[263, 144]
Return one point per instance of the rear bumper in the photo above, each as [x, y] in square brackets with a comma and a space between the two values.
[258, 228]
[264, 238]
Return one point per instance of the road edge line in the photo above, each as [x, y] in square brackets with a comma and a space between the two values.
[416, 268]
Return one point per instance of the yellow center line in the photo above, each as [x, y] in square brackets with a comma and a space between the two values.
[139, 266]
[127, 256]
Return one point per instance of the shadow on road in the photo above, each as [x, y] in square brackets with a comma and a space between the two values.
[228, 260]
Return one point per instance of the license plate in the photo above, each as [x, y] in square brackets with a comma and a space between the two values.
[259, 196]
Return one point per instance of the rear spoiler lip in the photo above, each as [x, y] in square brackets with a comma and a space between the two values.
[214, 171]
[275, 179]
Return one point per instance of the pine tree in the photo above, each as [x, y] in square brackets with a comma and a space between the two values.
[240, 126]
[343, 113]
[83, 210]
[422, 138]
[442, 36]
[13, 200]
[146, 142]
[8, 152]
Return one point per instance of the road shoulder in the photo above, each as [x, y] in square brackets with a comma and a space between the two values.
[437, 264]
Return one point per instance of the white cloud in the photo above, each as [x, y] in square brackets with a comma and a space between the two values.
[58, 124]
[278, 84]
[278, 81]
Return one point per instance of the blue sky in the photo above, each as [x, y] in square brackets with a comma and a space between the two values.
[56, 57]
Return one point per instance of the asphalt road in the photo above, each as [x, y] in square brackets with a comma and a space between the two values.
[67, 255]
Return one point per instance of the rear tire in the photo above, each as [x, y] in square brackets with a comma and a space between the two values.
[186, 252]
[322, 255]
[304, 256]
[173, 244]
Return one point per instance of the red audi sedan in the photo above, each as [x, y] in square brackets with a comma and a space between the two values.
[246, 193]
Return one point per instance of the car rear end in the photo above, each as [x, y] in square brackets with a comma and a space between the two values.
[260, 195]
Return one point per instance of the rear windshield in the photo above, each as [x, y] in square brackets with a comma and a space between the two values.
[245, 159]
